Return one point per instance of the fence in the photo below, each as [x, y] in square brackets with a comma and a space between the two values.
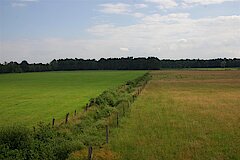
[112, 121]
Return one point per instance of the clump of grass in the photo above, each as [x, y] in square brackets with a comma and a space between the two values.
[99, 154]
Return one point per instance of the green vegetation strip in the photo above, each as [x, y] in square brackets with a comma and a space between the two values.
[80, 131]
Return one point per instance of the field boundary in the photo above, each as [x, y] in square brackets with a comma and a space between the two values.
[71, 117]
[112, 120]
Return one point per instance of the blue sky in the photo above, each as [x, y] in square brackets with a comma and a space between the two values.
[42, 30]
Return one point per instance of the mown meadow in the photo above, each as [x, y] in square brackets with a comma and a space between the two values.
[183, 115]
[27, 98]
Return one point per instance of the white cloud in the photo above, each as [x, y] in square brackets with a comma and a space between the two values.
[17, 4]
[164, 4]
[183, 40]
[171, 36]
[203, 38]
[138, 15]
[170, 18]
[124, 49]
[122, 8]
[22, 3]
[140, 5]
[205, 2]
[118, 8]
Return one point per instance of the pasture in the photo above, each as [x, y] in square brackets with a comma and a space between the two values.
[28, 98]
[183, 115]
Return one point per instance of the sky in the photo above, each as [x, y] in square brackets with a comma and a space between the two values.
[42, 30]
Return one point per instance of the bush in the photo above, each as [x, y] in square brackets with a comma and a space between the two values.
[15, 137]
[20, 143]
[14, 142]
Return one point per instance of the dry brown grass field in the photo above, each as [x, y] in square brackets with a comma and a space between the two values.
[183, 115]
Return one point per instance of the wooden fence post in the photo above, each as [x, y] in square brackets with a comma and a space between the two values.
[107, 133]
[90, 153]
[117, 119]
[75, 112]
[66, 121]
[134, 97]
[53, 121]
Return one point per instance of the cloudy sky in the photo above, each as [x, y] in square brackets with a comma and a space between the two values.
[42, 30]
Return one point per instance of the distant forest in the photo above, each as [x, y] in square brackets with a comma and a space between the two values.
[129, 63]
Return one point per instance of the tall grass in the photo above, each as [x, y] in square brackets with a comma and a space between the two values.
[183, 115]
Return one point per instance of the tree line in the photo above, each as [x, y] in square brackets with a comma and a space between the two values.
[129, 63]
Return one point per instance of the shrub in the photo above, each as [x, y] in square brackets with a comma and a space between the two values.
[15, 137]
[14, 142]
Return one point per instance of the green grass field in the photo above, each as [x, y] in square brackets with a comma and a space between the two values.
[28, 98]
[183, 115]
